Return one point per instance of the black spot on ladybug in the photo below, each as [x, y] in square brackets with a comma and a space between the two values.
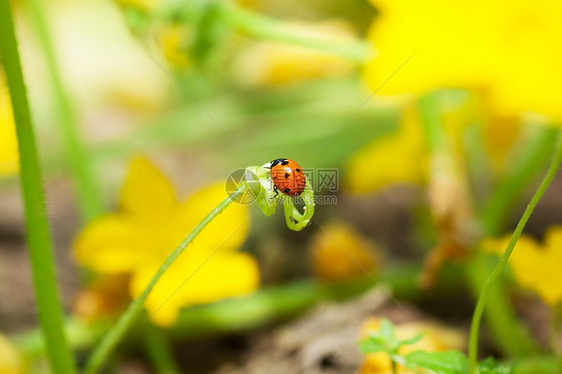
[298, 170]
[274, 177]
[285, 162]
[286, 175]
[286, 190]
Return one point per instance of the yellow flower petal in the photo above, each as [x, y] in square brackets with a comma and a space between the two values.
[136, 241]
[376, 363]
[8, 141]
[10, 360]
[113, 243]
[226, 229]
[174, 41]
[535, 266]
[147, 192]
[510, 49]
[435, 338]
[195, 279]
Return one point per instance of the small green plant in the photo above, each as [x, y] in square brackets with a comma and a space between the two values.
[444, 362]
[385, 340]
[261, 187]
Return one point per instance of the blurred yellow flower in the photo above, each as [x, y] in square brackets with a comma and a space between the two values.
[499, 136]
[150, 224]
[273, 63]
[435, 338]
[536, 266]
[510, 50]
[173, 40]
[144, 5]
[10, 360]
[331, 263]
[400, 157]
[9, 157]
[403, 156]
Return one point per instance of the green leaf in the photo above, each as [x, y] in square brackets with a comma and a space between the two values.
[411, 341]
[446, 362]
[262, 188]
[489, 366]
[370, 346]
[387, 330]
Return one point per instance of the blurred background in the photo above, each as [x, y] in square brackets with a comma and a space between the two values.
[143, 104]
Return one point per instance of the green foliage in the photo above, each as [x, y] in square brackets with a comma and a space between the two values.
[489, 366]
[444, 362]
[261, 186]
[385, 340]
[37, 222]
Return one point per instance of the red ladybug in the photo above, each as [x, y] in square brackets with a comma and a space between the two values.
[287, 177]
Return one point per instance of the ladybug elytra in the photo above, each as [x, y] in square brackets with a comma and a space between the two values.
[287, 177]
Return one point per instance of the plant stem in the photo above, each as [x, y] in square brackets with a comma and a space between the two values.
[429, 112]
[394, 370]
[37, 224]
[477, 316]
[158, 348]
[509, 333]
[526, 168]
[263, 27]
[116, 333]
[88, 195]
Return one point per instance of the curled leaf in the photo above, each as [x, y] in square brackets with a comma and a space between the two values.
[266, 195]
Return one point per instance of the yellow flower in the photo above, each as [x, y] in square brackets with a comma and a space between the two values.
[144, 5]
[331, 262]
[150, 224]
[499, 135]
[272, 63]
[536, 266]
[10, 360]
[402, 157]
[9, 157]
[510, 50]
[174, 42]
[435, 338]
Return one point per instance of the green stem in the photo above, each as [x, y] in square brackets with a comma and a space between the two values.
[108, 343]
[394, 370]
[263, 27]
[431, 122]
[37, 224]
[509, 333]
[159, 350]
[86, 185]
[526, 167]
[477, 316]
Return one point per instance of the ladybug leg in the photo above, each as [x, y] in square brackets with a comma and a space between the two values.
[276, 192]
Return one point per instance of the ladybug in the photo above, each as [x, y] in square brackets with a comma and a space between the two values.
[287, 177]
